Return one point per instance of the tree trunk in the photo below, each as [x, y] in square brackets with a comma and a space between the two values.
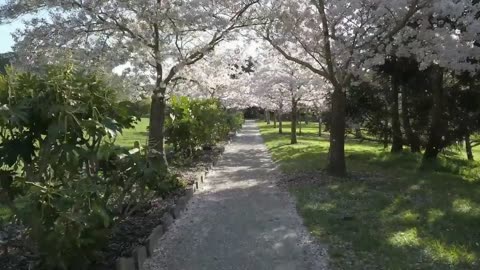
[274, 119]
[299, 123]
[386, 140]
[386, 135]
[320, 126]
[412, 137]
[336, 154]
[358, 133]
[397, 139]
[468, 147]
[267, 117]
[437, 132]
[293, 132]
[156, 136]
[280, 123]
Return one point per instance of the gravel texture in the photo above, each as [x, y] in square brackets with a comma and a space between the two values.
[240, 219]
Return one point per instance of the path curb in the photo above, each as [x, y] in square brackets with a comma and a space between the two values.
[189, 192]
[167, 220]
[125, 264]
[201, 177]
[141, 253]
[139, 256]
[152, 241]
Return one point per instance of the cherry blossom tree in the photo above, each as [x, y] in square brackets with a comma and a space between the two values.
[220, 75]
[338, 40]
[276, 100]
[316, 101]
[444, 38]
[152, 39]
[281, 83]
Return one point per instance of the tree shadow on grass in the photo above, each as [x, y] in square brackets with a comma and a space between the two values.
[407, 220]
[364, 156]
[404, 219]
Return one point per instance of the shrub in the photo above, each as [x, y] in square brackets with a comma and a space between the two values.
[63, 177]
[194, 124]
[210, 117]
[180, 126]
[234, 121]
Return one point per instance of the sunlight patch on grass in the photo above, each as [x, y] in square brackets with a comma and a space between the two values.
[417, 187]
[326, 206]
[449, 254]
[408, 216]
[405, 238]
[465, 206]
[130, 136]
[435, 215]
[397, 203]
[405, 218]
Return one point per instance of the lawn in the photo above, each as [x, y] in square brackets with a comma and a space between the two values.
[403, 218]
[130, 136]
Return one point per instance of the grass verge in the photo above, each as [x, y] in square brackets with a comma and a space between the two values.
[404, 219]
[130, 136]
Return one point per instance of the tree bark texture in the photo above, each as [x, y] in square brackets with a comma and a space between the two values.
[468, 147]
[293, 132]
[157, 127]
[437, 132]
[336, 155]
[412, 137]
[397, 138]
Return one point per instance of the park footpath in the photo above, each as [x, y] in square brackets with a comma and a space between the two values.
[239, 219]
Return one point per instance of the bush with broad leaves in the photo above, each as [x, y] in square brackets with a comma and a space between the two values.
[60, 172]
[194, 124]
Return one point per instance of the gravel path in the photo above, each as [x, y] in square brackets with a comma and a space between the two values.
[240, 219]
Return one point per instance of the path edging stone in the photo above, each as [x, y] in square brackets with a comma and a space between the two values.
[167, 220]
[125, 264]
[141, 253]
[152, 241]
[139, 257]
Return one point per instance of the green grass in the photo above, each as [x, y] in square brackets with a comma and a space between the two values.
[130, 136]
[405, 219]
[5, 213]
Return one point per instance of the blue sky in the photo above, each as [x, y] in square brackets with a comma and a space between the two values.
[6, 30]
[6, 40]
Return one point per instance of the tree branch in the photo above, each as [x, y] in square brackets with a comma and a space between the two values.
[295, 59]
